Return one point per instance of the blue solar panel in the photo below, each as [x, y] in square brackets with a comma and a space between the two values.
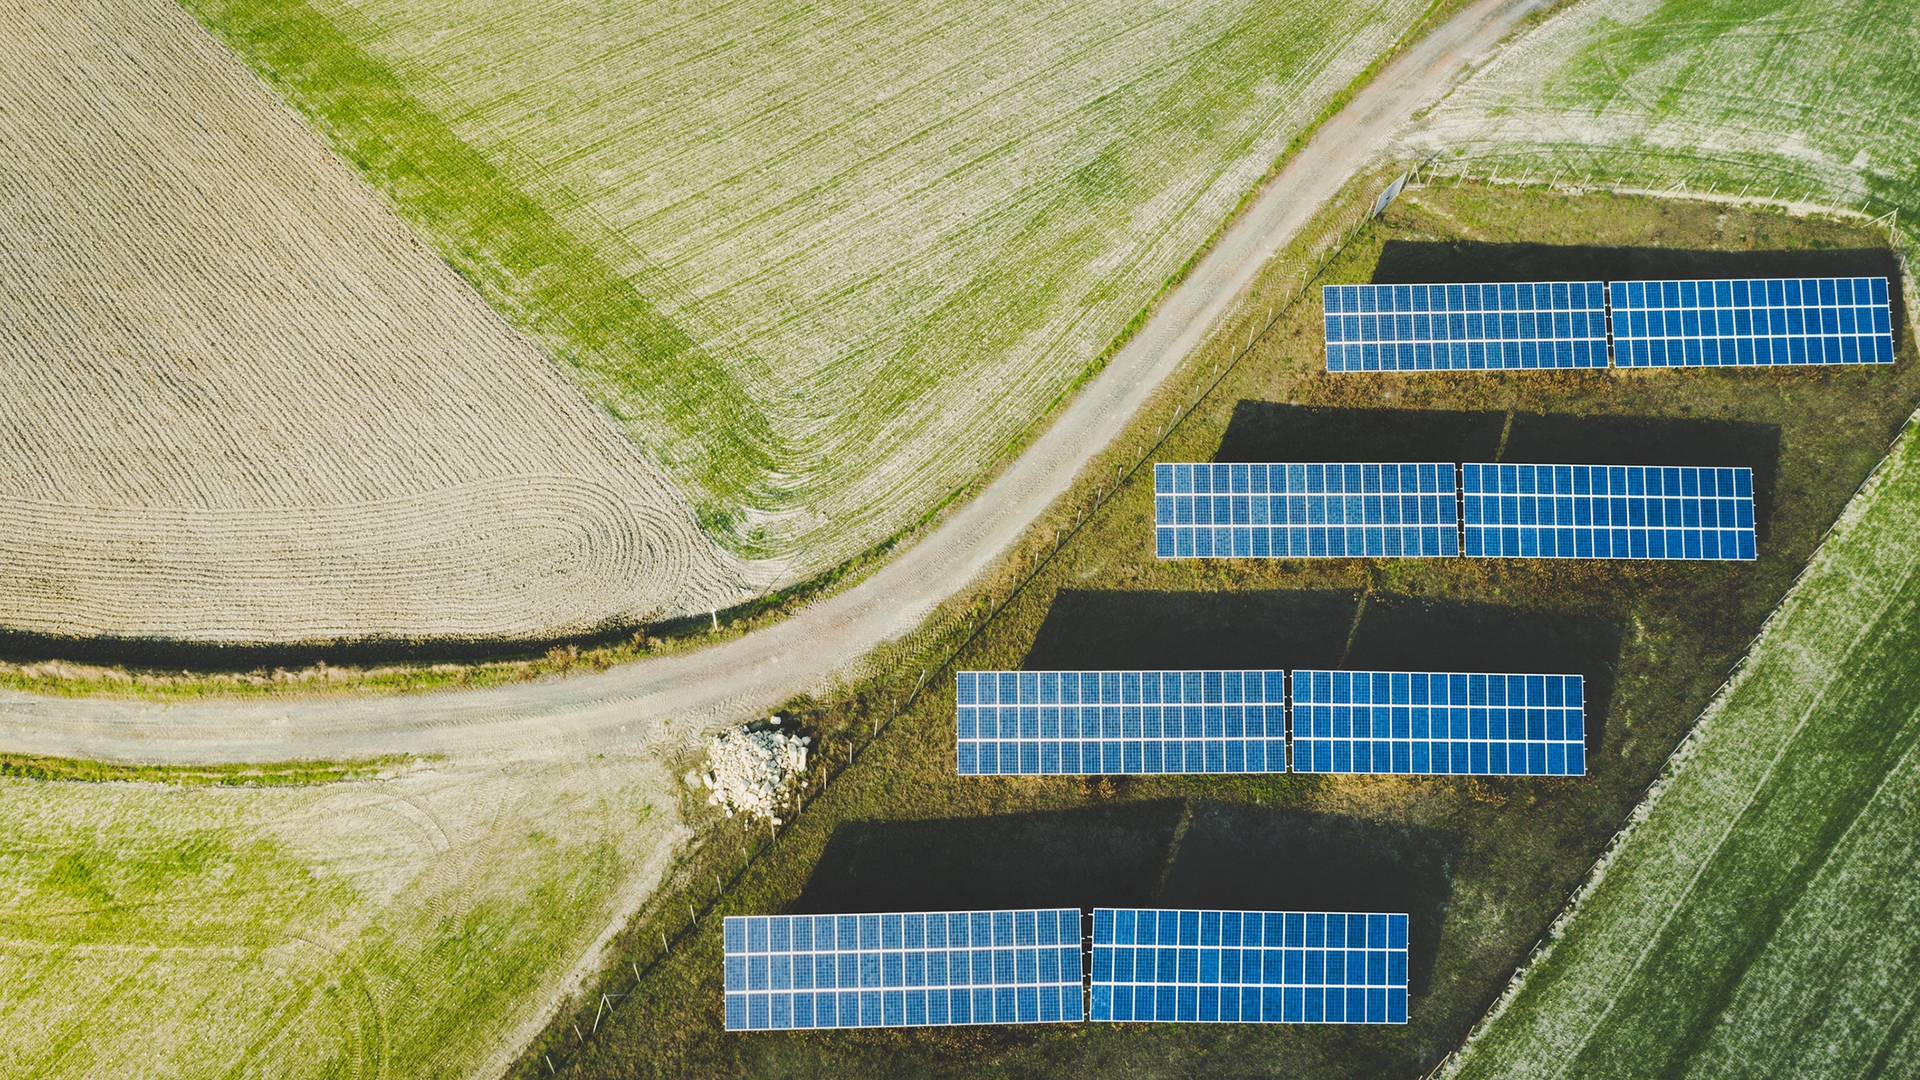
[1138, 722]
[1548, 324]
[911, 970]
[1607, 512]
[1304, 511]
[1249, 967]
[1431, 723]
[1752, 322]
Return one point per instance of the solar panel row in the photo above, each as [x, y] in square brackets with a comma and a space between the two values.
[1752, 322]
[1433, 723]
[1305, 510]
[1033, 723]
[904, 970]
[1607, 512]
[1680, 323]
[1465, 327]
[1027, 966]
[1053, 722]
[1270, 967]
[1408, 510]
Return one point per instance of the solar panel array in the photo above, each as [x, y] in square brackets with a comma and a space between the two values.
[1751, 322]
[1739, 322]
[907, 970]
[1431, 723]
[1088, 722]
[1462, 327]
[1607, 512]
[1249, 967]
[1304, 511]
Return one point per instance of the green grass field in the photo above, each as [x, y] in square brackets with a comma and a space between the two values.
[413, 924]
[824, 261]
[1790, 98]
[1482, 865]
[1764, 918]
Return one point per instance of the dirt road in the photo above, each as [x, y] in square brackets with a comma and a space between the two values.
[753, 673]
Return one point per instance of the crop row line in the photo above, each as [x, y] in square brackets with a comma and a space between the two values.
[1030, 569]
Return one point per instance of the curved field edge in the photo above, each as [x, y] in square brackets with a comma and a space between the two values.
[240, 401]
[410, 926]
[1807, 101]
[903, 779]
[1677, 947]
[744, 448]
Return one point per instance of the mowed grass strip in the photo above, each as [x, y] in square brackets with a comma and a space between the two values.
[1481, 864]
[630, 358]
[1763, 919]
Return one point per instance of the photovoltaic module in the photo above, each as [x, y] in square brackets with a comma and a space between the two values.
[903, 970]
[1755, 322]
[1396, 510]
[1606, 512]
[1249, 967]
[1463, 327]
[1086, 722]
[1434, 722]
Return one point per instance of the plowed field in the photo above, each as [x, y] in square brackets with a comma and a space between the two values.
[240, 401]
[829, 259]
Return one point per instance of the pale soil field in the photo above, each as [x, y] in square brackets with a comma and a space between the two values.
[240, 401]
[1761, 916]
[425, 924]
[830, 259]
[1800, 100]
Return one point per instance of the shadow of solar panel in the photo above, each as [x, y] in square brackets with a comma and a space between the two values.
[1434, 723]
[1248, 967]
[1752, 322]
[923, 969]
[1606, 512]
[1038, 723]
[1396, 510]
[1465, 327]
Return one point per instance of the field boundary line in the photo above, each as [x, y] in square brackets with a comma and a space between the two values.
[1674, 766]
[1314, 268]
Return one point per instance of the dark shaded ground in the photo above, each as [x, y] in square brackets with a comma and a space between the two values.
[1135, 854]
[1326, 629]
[1273, 431]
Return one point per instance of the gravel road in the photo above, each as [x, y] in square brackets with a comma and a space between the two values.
[753, 673]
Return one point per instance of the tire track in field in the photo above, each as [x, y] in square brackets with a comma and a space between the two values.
[807, 651]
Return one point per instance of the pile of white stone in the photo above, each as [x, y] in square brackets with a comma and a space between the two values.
[752, 772]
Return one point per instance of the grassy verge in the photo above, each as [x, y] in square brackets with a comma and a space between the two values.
[278, 774]
[1482, 864]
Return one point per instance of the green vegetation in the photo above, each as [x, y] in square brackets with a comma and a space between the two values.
[1764, 918]
[276, 774]
[1788, 98]
[1482, 865]
[779, 243]
[407, 927]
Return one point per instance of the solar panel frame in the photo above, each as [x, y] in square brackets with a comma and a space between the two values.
[1089, 723]
[1751, 322]
[1305, 510]
[882, 969]
[1438, 723]
[1463, 326]
[1301, 963]
[1607, 512]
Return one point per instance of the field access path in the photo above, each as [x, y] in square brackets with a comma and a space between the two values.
[758, 671]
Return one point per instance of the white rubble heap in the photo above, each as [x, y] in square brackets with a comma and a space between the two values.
[751, 772]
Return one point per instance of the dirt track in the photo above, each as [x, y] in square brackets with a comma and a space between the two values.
[724, 683]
